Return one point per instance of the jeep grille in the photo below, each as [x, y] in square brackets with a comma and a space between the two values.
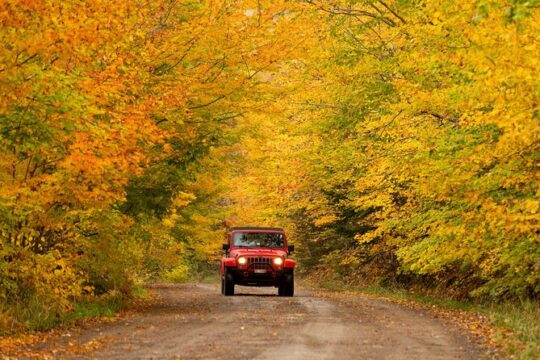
[260, 262]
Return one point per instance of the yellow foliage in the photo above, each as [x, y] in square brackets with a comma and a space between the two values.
[391, 138]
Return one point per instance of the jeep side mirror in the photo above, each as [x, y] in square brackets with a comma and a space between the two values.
[226, 246]
[290, 248]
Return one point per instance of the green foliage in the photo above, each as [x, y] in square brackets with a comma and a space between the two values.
[109, 115]
[396, 141]
[427, 156]
[411, 152]
[178, 274]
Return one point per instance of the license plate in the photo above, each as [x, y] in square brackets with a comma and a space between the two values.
[260, 271]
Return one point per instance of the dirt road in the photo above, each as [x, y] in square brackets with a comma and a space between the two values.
[197, 322]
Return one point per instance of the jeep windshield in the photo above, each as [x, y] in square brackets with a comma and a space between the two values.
[258, 239]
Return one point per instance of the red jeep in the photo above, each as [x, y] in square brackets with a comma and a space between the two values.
[256, 256]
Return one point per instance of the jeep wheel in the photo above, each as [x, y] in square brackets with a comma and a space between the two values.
[222, 285]
[227, 284]
[286, 287]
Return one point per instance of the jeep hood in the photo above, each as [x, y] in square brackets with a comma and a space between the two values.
[258, 252]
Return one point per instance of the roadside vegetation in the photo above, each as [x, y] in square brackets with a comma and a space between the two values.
[397, 142]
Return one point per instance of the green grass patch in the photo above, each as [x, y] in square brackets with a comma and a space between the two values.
[523, 319]
[209, 278]
[92, 309]
[34, 315]
[107, 305]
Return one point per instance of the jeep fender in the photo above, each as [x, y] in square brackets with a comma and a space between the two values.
[289, 264]
[229, 262]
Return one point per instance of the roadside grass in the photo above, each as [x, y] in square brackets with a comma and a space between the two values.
[208, 274]
[34, 316]
[515, 325]
[524, 321]
[105, 306]
[209, 278]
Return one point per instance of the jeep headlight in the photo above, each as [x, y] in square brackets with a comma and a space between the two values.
[242, 260]
[278, 261]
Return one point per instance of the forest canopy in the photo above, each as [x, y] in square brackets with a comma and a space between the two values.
[396, 141]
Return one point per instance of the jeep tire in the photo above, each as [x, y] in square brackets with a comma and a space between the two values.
[227, 284]
[286, 286]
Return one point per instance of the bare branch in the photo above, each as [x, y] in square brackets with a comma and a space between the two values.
[220, 97]
[392, 11]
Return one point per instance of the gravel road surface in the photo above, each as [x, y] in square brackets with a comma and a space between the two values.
[197, 322]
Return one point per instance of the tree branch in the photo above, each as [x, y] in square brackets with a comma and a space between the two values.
[220, 97]
[392, 11]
